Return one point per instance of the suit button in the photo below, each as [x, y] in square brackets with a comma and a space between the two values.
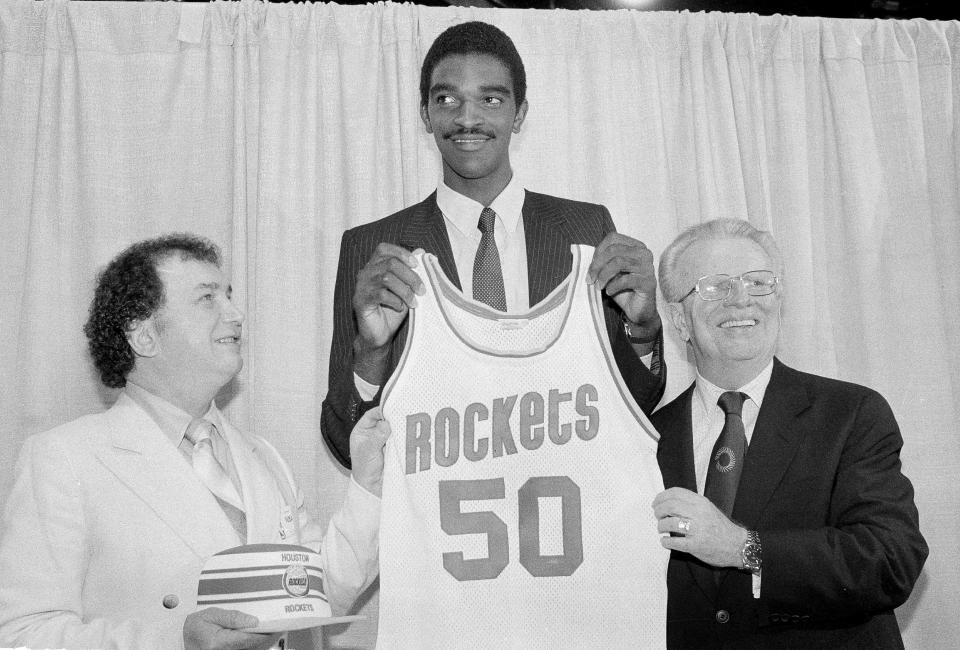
[170, 601]
[723, 616]
[774, 618]
[804, 618]
[795, 618]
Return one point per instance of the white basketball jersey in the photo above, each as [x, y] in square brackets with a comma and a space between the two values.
[519, 480]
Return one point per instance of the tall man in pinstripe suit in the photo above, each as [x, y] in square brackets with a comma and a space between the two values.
[472, 94]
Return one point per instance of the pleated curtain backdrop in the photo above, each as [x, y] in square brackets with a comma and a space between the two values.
[271, 128]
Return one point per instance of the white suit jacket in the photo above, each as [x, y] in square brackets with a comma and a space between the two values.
[107, 520]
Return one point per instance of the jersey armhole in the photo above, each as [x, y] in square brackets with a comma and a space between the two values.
[600, 331]
[392, 380]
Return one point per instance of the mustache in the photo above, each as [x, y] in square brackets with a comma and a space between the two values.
[462, 132]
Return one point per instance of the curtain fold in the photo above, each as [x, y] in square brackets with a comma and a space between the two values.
[272, 128]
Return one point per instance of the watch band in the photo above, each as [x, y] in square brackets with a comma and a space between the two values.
[628, 330]
[751, 553]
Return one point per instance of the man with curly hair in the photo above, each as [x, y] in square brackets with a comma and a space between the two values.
[111, 517]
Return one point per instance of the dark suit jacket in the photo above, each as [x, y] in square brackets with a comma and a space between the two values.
[822, 485]
[550, 225]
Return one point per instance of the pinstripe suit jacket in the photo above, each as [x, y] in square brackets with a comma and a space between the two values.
[550, 225]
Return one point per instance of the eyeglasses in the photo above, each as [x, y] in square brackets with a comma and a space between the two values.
[720, 286]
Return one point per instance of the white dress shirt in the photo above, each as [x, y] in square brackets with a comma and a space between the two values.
[173, 422]
[461, 215]
[708, 417]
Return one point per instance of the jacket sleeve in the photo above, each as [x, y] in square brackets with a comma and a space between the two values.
[43, 563]
[646, 385]
[350, 549]
[869, 554]
[343, 405]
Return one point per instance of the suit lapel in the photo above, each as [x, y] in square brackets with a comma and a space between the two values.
[773, 445]
[545, 231]
[675, 456]
[261, 498]
[426, 229]
[675, 452]
[547, 241]
[144, 460]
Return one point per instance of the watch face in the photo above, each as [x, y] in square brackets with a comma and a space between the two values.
[751, 557]
[750, 554]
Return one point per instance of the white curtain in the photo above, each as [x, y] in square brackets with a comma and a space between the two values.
[271, 128]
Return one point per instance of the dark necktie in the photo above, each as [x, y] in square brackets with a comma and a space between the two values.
[487, 274]
[726, 461]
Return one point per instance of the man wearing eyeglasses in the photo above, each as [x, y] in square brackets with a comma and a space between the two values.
[788, 517]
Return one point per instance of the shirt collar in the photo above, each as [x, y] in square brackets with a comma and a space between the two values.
[464, 213]
[708, 393]
[172, 420]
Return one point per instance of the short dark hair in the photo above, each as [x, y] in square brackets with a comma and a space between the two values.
[128, 290]
[475, 38]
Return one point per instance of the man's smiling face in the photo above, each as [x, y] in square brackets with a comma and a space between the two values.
[198, 326]
[472, 113]
[738, 331]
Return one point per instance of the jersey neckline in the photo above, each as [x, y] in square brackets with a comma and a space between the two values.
[562, 297]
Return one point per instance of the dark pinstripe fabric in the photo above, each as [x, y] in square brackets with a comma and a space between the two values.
[550, 225]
